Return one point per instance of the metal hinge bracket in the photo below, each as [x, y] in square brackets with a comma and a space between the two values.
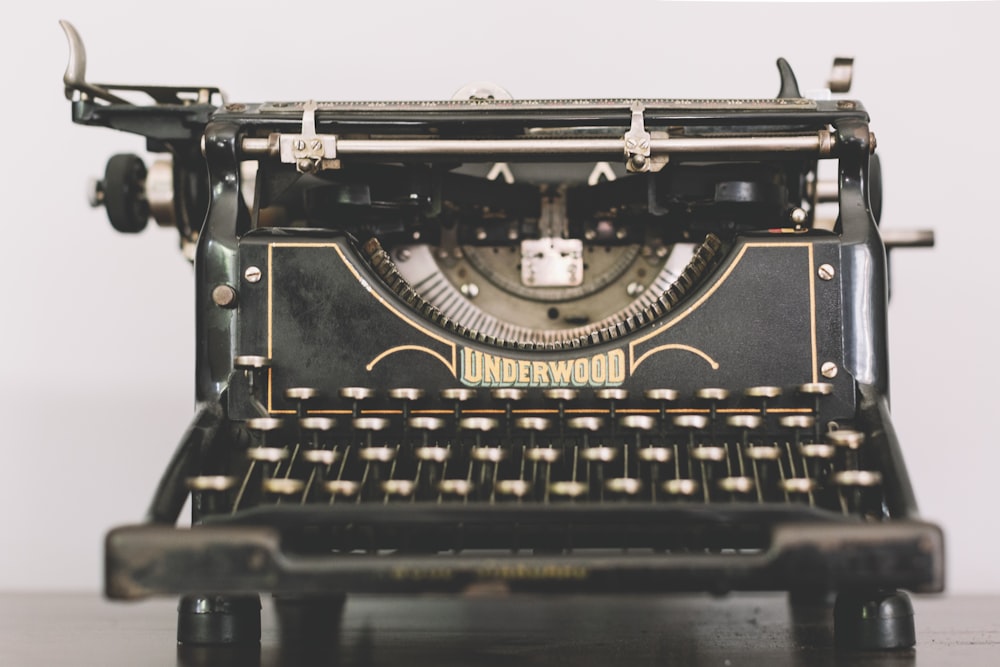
[308, 151]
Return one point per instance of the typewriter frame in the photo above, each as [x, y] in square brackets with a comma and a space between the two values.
[222, 564]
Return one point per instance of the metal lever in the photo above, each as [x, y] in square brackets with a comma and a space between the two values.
[75, 78]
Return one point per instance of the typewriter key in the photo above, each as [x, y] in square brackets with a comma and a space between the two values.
[282, 486]
[638, 422]
[406, 394]
[858, 478]
[763, 453]
[481, 424]
[694, 422]
[737, 485]
[301, 393]
[489, 454]
[543, 454]
[762, 392]
[427, 423]
[534, 424]
[211, 483]
[321, 457]
[709, 453]
[398, 487]
[317, 423]
[846, 438]
[626, 486]
[251, 362]
[518, 488]
[585, 423]
[460, 394]
[378, 454]
[682, 487]
[264, 424]
[798, 485]
[371, 424]
[342, 487]
[434, 454]
[661, 394]
[817, 451]
[816, 389]
[797, 421]
[507, 393]
[599, 454]
[568, 489]
[267, 454]
[655, 454]
[747, 422]
[356, 393]
[561, 394]
[455, 487]
[712, 394]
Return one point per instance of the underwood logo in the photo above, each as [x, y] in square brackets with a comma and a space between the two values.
[482, 369]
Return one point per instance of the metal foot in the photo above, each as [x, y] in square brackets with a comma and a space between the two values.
[873, 620]
[218, 619]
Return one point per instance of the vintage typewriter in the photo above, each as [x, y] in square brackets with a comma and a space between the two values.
[550, 345]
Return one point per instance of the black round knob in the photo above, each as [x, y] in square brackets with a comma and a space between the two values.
[124, 193]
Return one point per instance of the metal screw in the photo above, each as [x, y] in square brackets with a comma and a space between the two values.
[634, 289]
[590, 234]
[252, 274]
[470, 290]
[403, 254]
[827, 272]
[798, 215]
[621, 233]
[829, 369]
[480, 234]
[224, 296]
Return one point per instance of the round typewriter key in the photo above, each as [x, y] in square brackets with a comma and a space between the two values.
[737, 485]
[627, 486]
[479, 423]
[533, 423]
[267, 454]
[489, 454]
[655, 454]
[638, 422]
[568, 489]
[599, 454]
[460, 394]
[406, 393]
[378, 454]
[251, 361]
[762, 392]
[846, 438]
[513, 487]
[281, 486]
[211, 483]
[455, 487]
[356, 393]
[817, 451]
[681, 487]
[371, 423]
[816, 388]
[612, 394]
[561, 394]
[398, 487]
[763, 452]
[709, 453]
[301, 393]
[507, 393]
[323, 457]
[317, 423]
[433, 453]
[661, 394]
[860, 478]
[744, 421]
[797, 421]
[342, 487]
[691, 421]
[801, 485]
[712, 394]
[585, 423]
[264, 424]
[543, 454]
[427, 423]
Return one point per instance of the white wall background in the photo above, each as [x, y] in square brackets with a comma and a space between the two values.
[96, 336]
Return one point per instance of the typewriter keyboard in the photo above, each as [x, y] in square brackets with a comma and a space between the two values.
[762, 446]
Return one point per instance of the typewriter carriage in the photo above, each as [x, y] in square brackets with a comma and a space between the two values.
[334, 392]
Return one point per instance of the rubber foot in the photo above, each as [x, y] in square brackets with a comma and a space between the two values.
[218, 619]
[873, 621]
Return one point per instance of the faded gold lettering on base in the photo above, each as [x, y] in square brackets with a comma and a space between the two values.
[483, 369]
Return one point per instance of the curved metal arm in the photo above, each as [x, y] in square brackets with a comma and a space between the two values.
[76, 69]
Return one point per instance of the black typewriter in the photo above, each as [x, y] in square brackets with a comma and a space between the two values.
[585, 345]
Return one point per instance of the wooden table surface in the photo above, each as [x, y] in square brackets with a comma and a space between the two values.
[80, 630]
